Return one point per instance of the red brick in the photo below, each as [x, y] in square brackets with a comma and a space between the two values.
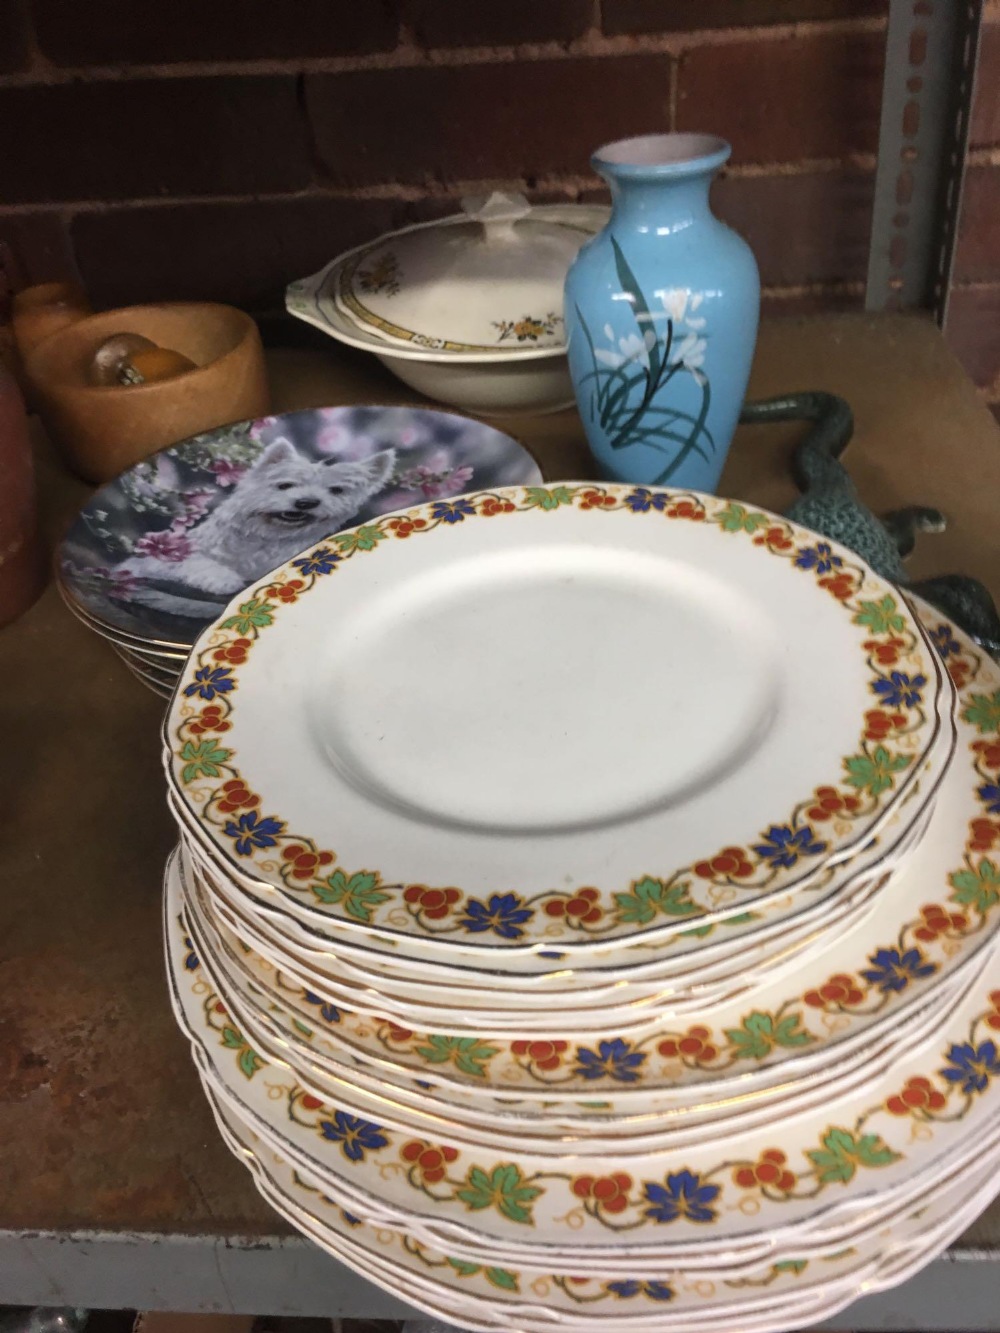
[985, 127]
[244, 253]
[40, 244]
[784, 100]
[497, 22]
[487, 121]
[811, 228]
[627, 16]
[973, 331]
[977, 257]
[125, 139]
[13, 35]
[150, 31]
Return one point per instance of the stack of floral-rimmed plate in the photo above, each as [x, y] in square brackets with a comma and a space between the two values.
[543, 853]
[156, 554]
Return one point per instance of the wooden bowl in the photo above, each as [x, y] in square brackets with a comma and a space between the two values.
[102, 430]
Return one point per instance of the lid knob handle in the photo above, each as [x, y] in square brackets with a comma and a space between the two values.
[498, 213]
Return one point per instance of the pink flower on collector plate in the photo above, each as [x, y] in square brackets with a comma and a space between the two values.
[261, 426]
[121, 582]
[329, 439]
[435, 485]
[196, 505]
[410, 438]
[226, 472]
[173, 546]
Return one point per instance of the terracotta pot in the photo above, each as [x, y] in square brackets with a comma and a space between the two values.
[102, 430]
[38, 312]
[22, 563]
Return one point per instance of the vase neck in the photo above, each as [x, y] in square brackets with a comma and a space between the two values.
[659, 205]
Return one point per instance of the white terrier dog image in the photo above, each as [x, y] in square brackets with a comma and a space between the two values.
[283, 504]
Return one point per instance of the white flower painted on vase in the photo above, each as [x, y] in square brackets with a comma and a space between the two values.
[680, 305]
[691, 352]
[631, 349]
[628, 392]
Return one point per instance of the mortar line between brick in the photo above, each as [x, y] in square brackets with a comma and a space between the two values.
[400, 193]
[977, 284]
[790, 292]
[408, 56]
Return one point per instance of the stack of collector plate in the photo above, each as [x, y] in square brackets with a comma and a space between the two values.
[585, 912]
[155, 555]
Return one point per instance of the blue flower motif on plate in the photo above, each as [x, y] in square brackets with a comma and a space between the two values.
[898, 690]
[656, 1291]
[944, 641]
[971, 1067]
[989, 794]
[320, 561]
[683, 1194]
[191, 961]
[355, 1136]
[329, 1012]
[253, 830]
[452, 511]
[783, 846]
[613, 1059]
[819, 557]
[503, 913]
[640, 501]
[893, 971]
[210, 681]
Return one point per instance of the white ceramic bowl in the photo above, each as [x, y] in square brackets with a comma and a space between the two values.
[489, 388]
[528, 380]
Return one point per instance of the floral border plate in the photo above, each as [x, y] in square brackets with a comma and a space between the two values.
[942, 908]
[707, 1198]
[926, 1107]
[283, 1042]
[710, 945]
[674, 1294]
[725, 979]
[264, 791]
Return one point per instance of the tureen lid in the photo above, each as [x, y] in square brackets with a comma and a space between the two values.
[489, 279]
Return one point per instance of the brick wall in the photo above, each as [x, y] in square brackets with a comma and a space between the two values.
[973, 325]
[218, 148]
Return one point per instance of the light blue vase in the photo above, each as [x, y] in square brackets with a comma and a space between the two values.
[661, 316]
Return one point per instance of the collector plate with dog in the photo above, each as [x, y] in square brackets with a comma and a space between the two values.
[157, 553]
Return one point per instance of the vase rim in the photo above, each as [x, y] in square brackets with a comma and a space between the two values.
[662, 155]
